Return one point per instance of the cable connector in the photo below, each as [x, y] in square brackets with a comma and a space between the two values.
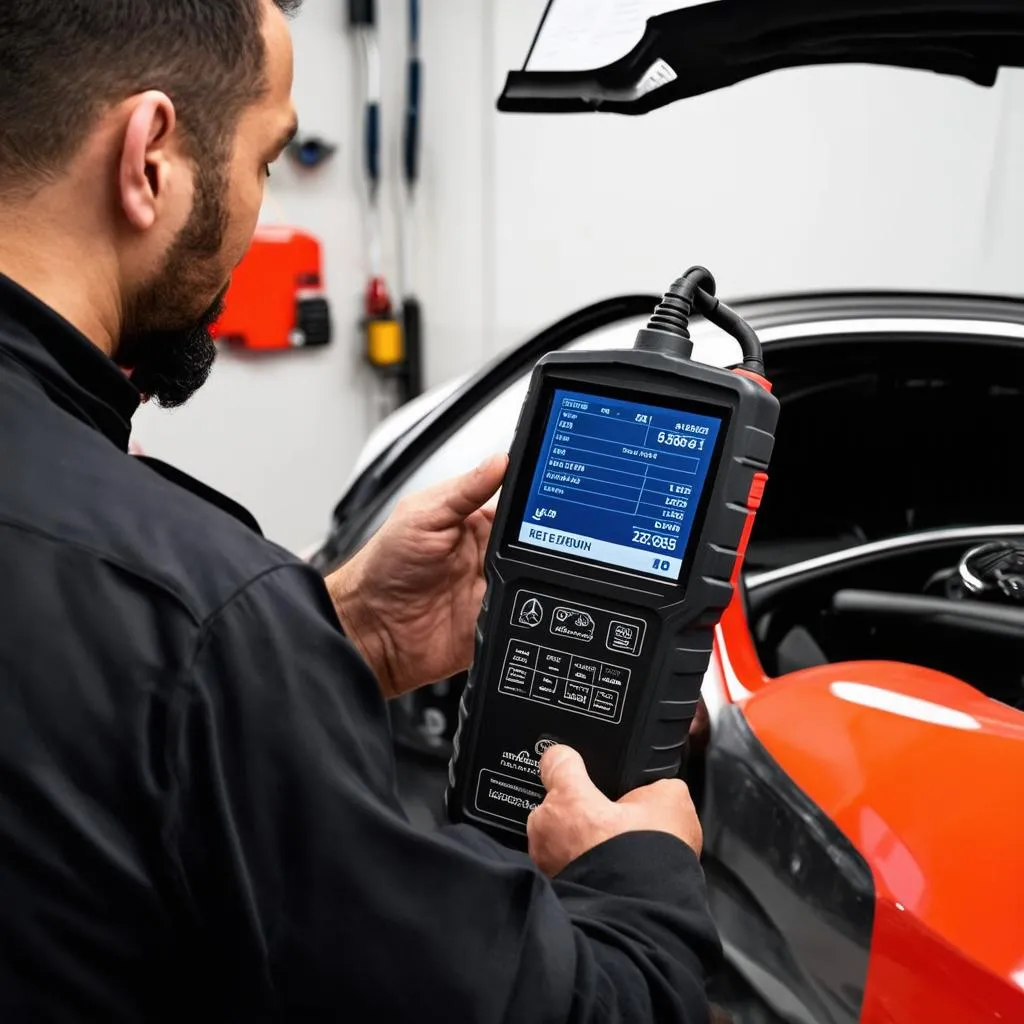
[668, 330]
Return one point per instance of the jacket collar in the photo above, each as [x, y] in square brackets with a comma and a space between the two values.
[72, 371]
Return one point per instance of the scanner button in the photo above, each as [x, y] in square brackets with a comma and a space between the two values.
[516, 680]
[612, 675]
[756, 494]
[574, 623]
[583, 671]
[605, 703]
[575, 696]
[554, 662]
[624, 637]
[545, 687]
[528, 611]
[521, 654]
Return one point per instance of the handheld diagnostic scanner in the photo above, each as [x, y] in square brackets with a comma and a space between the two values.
[633, 479]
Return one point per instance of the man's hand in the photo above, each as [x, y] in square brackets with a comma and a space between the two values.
[409, 600]
[576, 816]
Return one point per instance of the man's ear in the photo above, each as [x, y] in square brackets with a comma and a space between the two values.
[146, 158]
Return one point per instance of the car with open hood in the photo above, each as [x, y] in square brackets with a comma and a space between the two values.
[861, 773]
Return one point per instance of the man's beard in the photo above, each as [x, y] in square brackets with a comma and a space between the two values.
[169, 351]
[170, 366]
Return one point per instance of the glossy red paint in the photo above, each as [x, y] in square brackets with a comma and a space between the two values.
[925, 776]
[735, 656]
[738, 670]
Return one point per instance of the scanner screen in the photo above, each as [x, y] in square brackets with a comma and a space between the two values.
[619, 482]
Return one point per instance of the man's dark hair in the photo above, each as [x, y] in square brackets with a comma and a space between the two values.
[62, 62]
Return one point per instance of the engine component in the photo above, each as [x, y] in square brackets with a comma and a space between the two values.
[994, 572]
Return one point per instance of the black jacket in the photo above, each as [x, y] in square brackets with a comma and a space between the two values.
[198, 818]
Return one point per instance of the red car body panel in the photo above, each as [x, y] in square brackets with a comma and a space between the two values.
[925, 776]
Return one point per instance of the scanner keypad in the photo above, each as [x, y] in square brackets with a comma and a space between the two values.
[573, 685]
[537, 668]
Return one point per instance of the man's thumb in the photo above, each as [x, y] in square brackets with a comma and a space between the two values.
[465, 494]
[562, 767]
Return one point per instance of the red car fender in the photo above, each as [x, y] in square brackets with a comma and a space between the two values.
[925, 776]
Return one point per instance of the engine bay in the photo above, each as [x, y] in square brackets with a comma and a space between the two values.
[880, 438]
[887, 529]
[906, 601]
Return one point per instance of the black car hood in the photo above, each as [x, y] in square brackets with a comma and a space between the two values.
[715, 44]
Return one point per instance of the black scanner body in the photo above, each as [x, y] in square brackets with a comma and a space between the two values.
[606, 659]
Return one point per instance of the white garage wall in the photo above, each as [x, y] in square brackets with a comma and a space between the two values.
[280, 433]
[809, 179]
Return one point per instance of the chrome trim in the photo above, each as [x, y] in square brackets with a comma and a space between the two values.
[973, 583]
[895, 325]
[880, 547]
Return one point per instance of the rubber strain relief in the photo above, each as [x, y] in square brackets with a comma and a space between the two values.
[672, 316]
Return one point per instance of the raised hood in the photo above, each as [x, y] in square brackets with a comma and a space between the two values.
[632, 56]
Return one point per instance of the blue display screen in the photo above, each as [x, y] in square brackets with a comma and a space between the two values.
[619, 482]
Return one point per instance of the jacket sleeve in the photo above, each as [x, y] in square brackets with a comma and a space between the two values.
[316, 898]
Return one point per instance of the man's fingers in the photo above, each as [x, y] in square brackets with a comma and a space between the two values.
[462, 496]
[490, 510]
[561, 766]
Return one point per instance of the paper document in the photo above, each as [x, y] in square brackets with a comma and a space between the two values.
[580, 35]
